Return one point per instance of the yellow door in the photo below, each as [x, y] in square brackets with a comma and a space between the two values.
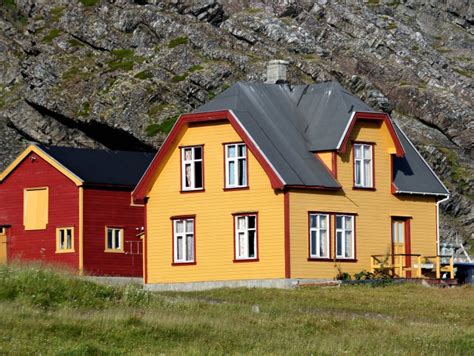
[3, 246]
[398, 246]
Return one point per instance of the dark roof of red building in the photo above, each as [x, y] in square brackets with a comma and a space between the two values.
[102, 167]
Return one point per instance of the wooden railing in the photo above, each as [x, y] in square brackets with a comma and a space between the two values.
[440, 265]
[397, 264]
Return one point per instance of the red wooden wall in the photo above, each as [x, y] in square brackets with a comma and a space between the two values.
[107, 207]
[63, 211]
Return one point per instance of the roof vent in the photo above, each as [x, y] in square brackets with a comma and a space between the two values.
[276, 71]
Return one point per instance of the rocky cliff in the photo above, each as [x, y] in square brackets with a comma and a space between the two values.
[116, 74]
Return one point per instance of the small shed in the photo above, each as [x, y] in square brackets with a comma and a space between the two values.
[72, 207]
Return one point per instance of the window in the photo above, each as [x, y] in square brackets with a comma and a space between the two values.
[35, 208]
[183, 240]
[3, 231]
[64, 239]
[192, 168]
[344, 236]
[235, 165]
[246, 237]
[319, 235]
[113, 239]
[363, 165]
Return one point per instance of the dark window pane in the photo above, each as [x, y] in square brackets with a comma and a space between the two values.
[251, 244]
[313, 242]
[109, 238]
[251, 222]
[241, 172]
[339, 222]
[339, 243]
[241, 150]
[198, 175]
[197, 153]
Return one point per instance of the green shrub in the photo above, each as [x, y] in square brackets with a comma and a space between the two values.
[114, 65]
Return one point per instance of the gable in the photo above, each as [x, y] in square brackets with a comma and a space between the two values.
[148, 179]
[35, 150]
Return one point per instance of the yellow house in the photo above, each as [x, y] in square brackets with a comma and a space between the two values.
[271, 185]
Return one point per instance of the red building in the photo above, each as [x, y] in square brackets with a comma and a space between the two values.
[72, 207]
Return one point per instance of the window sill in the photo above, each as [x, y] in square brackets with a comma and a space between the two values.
[183, 263]
[244, 260]
[114, 251]
[364, 188]
[65, 251]
[313, 259]
[193, 191]
[236, 188]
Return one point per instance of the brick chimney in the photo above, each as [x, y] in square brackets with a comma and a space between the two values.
[276, 71]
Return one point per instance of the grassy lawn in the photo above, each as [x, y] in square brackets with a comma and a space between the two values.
[47, 312]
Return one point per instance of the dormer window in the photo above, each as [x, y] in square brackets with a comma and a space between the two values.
[192, 171]
[363, 165]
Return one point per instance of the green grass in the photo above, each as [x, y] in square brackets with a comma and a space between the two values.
[9, 3]
[195, 68]
[145, 74]
[51, 35]
[51, 313]
[89, 2]
[124, 59]
[179, 78]
[178, 41]
[85, 109]
[163, 127]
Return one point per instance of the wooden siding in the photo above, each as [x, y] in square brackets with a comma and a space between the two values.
[107, 207]
[374, 209]
[63, 209]
[213, 209]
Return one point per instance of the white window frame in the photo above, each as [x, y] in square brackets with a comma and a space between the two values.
[366, 179]
[318, 229]
[184, 246]
[115, 247]
[235, 160]
[192, 162]
[342, 230]
[245, 232]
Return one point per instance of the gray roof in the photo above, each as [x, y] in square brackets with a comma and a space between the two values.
[288, 124]
[411, 173]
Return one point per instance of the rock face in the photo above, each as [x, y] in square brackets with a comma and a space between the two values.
[117, 73]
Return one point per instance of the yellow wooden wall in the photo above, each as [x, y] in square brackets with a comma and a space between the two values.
[3, 247]
[213, 209]
[374, 209]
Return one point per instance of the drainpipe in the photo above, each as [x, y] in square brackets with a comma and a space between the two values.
[437, 222]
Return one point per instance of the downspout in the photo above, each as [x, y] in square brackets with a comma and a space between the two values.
[437, 222]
